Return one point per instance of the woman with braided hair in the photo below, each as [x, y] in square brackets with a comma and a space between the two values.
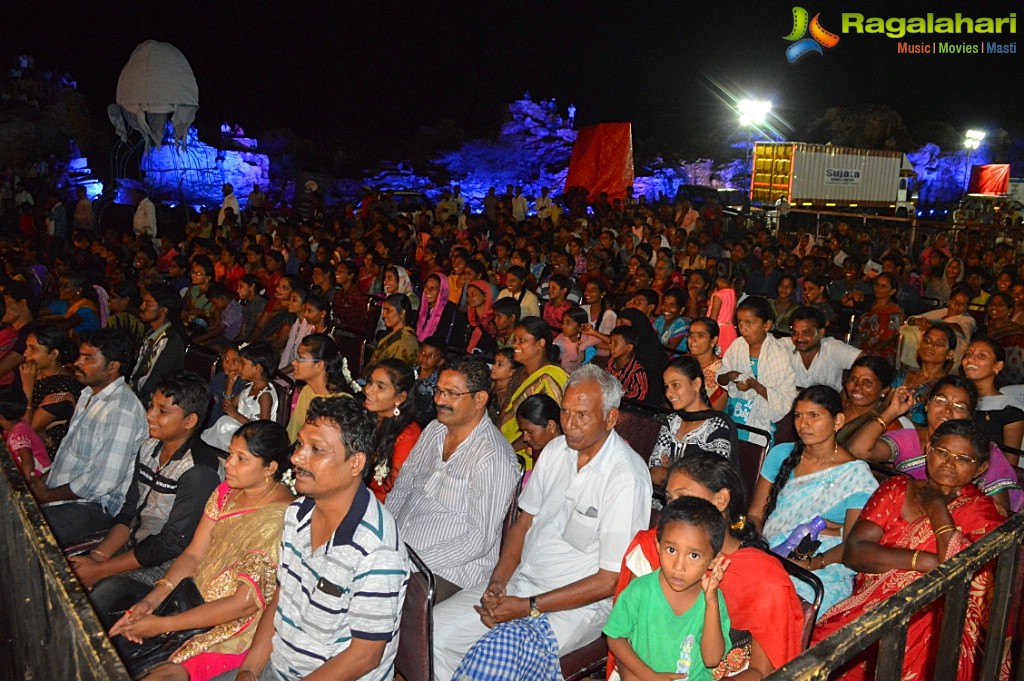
[812, 477]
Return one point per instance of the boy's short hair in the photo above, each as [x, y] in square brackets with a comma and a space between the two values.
[650, 295]
[628, 334]
[186, 390]
[697, 512]
[508, 306]
[436, 342]
[218, 290]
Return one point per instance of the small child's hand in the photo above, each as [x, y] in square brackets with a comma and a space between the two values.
[713, 577]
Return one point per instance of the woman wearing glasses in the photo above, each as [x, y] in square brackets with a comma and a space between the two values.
[952, 397]
[909, 527]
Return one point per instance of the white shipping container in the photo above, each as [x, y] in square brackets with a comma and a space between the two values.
[845, 177]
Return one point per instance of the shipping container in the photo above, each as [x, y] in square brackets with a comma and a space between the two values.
[826, 177]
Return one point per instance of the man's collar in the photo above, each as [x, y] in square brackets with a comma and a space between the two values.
[347, 529]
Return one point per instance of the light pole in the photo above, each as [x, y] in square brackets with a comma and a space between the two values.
[752, 114]
[972, 141]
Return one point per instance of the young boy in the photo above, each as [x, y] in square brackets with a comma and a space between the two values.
[674, 619]
[175, 473]
[506, 316]
[430, 358]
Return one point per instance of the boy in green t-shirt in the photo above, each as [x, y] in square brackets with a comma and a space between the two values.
[661, 618]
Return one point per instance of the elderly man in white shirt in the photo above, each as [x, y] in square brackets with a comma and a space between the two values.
[588, 495]
[816, 358]
[456, 486]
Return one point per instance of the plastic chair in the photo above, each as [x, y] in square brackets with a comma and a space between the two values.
[201, 360]
[750, 454]
[414, 660]
[284, 386]
[810, 610]
[639, 425]
[351, 346]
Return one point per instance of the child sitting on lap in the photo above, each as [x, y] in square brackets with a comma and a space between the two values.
[674, 619]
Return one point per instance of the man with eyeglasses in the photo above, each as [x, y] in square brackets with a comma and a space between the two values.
[455, 488]
[816, 358]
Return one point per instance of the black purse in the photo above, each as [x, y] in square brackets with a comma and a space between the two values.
[141, 658]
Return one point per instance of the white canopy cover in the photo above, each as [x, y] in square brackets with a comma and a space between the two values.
[155, 85]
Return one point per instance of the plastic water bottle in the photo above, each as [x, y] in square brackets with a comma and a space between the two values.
[812, 527]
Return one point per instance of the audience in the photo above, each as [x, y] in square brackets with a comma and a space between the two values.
[332, 272]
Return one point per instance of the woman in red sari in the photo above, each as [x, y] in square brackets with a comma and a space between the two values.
[758, 592]
[909, 527]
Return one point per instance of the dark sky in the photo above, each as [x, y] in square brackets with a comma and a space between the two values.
[381, 69]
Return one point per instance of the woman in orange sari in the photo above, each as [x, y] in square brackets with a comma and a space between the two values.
[909, 527]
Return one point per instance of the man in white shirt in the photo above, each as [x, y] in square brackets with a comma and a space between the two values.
[817, 359]
[144, 220]
[457, 484]
[588, 495]
[519, 206]
[230, 201]
[543, 204]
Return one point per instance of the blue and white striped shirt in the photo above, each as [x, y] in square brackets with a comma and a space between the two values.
[351, 587]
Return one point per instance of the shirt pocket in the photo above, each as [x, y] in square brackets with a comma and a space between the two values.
[448, 490]
[581, 528]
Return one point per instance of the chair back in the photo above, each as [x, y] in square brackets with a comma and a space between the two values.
[201, 360]
[810, 610]
[415, 657]
[284, 386]
[753, 445]
[513, 510]
[351, 346]
[640, 425]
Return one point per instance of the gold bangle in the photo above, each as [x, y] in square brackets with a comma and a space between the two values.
[165, 582]
[821, 557]
[913, 561]
[944, 529]
[880, 421]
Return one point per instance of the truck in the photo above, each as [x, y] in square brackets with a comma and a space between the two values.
[823, 178]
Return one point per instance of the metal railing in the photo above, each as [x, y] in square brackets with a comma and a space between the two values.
[48, 630]
[888, 625]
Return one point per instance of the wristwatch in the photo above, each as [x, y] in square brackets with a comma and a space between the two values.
[534, 610]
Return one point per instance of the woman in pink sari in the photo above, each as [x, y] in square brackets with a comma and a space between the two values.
[909, 527]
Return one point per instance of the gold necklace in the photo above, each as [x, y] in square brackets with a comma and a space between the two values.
[231, 504]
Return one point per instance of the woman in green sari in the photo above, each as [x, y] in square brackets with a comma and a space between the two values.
[544, 376]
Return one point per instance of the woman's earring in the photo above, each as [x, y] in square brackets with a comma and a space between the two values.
[397, 411]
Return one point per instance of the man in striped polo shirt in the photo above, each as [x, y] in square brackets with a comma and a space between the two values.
[343, 567]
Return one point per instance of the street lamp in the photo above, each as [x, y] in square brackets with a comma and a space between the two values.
[971, 142]
[752, 114]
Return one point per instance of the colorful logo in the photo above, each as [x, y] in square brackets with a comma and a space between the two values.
[803, 46]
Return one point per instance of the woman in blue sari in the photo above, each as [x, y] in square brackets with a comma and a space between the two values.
[814, 477]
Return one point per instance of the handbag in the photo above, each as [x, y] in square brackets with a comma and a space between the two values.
[141, 658]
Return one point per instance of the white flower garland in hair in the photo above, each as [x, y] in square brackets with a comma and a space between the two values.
[289, 479]
[356, 388]
[380, 473]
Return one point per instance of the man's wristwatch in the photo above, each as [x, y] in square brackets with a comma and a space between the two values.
[534, 610]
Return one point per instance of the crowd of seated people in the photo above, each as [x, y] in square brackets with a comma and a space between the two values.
[493, 354]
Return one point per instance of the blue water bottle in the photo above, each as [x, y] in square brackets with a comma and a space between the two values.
[812, 527]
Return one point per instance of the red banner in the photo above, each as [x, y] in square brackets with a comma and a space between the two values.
[992, 179]
[602, 160]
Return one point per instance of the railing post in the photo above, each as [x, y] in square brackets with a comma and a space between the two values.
[1002, 594]
[891, 649]
[951, 634]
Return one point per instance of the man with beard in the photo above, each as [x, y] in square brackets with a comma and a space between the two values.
[163, 348]
[455, 487]
[92, 470]
[816, 358]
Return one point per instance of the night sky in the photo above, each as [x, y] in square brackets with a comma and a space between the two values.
[376, 70]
